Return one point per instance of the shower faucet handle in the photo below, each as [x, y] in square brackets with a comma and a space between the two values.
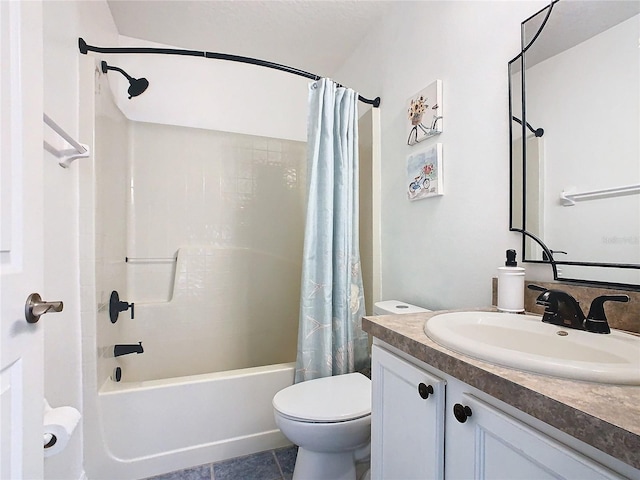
[116, 306]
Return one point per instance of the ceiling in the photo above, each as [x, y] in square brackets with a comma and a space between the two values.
[312, 35]
[572, 23]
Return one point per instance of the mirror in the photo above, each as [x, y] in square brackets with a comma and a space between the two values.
[574, 98]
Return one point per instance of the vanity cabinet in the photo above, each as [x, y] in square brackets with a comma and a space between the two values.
[457, 432]
[407, 424]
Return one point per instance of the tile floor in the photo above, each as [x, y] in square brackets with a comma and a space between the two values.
[270, 465]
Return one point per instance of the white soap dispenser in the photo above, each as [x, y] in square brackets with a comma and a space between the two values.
[511, 285]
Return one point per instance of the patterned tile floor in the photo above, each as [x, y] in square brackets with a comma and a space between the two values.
[270, 465]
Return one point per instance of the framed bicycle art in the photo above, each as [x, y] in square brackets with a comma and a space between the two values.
[424, 113]
[424, 173]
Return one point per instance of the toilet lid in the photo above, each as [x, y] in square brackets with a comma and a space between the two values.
[330, 399]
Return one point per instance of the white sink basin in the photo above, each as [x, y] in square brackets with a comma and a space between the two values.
[526, 343]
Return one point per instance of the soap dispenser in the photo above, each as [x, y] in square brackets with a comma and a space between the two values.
[511, 285]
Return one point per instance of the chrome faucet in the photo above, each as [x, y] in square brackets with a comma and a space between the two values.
[119, 350]
[564, 310]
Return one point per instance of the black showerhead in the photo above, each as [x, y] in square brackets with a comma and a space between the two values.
[136, 85]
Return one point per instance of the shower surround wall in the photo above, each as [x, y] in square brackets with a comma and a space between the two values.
[230, 208]
[218, 325]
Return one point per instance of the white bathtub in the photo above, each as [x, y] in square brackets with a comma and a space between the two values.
[158, 426]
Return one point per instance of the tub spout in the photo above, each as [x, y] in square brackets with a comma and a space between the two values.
[127, 349]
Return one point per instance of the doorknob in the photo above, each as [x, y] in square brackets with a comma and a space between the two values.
[36, 307]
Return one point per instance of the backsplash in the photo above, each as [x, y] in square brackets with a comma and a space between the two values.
[621, 316]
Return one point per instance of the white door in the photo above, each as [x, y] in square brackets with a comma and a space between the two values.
[21, 239]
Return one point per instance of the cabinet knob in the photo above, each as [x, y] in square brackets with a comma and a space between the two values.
[425, 390]
[461, 412]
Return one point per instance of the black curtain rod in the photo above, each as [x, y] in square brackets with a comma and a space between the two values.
[538, 132]
[84, 48]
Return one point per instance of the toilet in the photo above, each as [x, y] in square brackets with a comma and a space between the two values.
[394, 307]
[330, 418]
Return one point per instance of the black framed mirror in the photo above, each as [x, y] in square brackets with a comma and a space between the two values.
[574, 101]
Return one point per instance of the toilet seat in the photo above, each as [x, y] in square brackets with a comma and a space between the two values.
[326, 400]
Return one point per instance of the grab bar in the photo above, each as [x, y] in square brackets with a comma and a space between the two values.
[150, 260]
[67, 156]
[569, 199]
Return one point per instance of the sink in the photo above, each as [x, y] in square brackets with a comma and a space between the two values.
[526, 343]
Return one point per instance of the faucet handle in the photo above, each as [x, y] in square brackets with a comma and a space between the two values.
[596, 319]
[532, 286]
[116, 306]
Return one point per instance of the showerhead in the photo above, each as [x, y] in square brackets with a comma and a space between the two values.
[136, 85]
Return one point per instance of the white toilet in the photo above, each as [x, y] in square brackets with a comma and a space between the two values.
[330, 418]
[394, 307]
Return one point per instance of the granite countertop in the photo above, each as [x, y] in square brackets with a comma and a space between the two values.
[602, 415]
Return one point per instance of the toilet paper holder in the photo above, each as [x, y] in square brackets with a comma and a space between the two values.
[59, 425]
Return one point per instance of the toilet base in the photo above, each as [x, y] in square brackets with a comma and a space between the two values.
[324, 466]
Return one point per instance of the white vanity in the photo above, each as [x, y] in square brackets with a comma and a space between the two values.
[439, 414]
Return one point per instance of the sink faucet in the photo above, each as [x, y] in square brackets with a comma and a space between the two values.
[596, 319]
[564, 310]
[127, 349]
[560, 308]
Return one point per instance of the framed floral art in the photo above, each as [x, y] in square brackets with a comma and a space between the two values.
[424, 173]
[424, 113]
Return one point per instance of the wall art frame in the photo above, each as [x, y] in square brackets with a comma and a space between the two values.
[425, 175]
[424, 113]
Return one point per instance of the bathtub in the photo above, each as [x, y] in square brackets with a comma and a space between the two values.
[158, 426]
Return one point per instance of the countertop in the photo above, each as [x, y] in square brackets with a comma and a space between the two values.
[602, 415]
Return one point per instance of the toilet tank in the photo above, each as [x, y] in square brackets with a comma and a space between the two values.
[394, 307]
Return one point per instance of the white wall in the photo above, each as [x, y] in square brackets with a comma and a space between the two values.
[63, 23]
[442, 252]
[212, 94]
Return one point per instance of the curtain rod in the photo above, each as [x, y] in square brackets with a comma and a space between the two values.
[84, 48]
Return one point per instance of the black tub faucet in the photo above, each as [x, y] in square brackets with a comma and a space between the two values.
[119, 350]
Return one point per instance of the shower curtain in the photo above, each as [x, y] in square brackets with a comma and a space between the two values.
[330, 338]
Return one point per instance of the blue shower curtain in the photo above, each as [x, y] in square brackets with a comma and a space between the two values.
[330, 338]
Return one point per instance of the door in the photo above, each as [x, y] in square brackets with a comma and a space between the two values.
[21, 239]
[407, 420]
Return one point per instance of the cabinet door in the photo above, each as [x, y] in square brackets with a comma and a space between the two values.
[492, 445]
[407, 430]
